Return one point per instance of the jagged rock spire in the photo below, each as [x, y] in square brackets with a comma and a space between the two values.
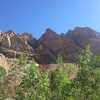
[7, 35]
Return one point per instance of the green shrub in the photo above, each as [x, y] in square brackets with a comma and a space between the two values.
[37, 84]
[87, 83]
[34, 86]
[2, 73]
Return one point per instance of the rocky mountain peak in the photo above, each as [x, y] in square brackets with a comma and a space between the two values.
[7, 36]
[85, 31]
[49, 30]
[11, 43]
[81, 35]
[49, 34]
[50, 44]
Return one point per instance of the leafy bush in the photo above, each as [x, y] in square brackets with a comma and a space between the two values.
[87, 83]
[34, 86]
[37, 84]
[2, 73]
[59, 85]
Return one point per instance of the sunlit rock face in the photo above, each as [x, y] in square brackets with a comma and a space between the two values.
[5, 38]
[10, 42]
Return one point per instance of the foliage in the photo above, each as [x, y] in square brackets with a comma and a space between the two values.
[87, 83]
[37, 84]
[2, 77]
[85, 57]
[60, 60]
[34, 85]
[22, 60]
[59, 85]
[2, 73]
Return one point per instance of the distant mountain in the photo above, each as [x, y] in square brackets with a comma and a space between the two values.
[58, 45]
[81, 35]
[51, 44]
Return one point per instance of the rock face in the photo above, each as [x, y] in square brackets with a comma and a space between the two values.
[5, 39]
[29, 39]
[85, 36]
[81, 36]
[50, 44]
[68, 45]
[10, 43]
[95, 46]
[58, 45]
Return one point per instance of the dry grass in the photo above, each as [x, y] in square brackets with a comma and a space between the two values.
[4, 63]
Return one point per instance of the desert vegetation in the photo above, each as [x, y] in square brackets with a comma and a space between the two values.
[27, 81]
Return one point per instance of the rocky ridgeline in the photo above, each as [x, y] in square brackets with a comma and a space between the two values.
[51, 44]
[7, 36]
[11, 44]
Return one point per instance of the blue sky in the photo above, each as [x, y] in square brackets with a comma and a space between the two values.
[36, 15]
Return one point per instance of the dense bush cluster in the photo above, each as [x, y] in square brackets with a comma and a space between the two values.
[38, 84]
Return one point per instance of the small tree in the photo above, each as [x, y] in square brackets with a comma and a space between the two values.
[34, 85]
[85, 84]
[60, 85]
[85, 57]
